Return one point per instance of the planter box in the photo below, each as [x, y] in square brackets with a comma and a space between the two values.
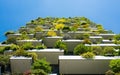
[51, 55]
[39, 35]
[79, 65]
[8, 52]
[107, 36]
[34, 42]
[95, 39]
[77, 33]
[4, 45]
[50, 41]
[18, 35]
[103, 45]
[20, 64]
[71, 44]
[108, 41]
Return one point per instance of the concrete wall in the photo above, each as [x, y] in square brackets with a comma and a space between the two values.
[107, 36]
[50, 41]
[18, 35]
[39, 35]
[77, 33]
[20, 64]
[79, 65]
[51, 55]
[34, 42]
[71, 44]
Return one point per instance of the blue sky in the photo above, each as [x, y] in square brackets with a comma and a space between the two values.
[15, 13]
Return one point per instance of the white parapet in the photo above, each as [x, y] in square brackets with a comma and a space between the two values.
[20, 64]
[72, 43]
[51, 55]
[79, 65]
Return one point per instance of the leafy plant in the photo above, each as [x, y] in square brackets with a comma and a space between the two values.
[38, 29]
[59, 26]
[9, 32]
[41, 66]
[61, 45]
[87, 41]
[42, 46]
[97, 50]
[14, 47]
[81, 48]
[2, 49]
[11, 40]
[33, 55]
[20, 52]
[108, 51]
[51, 33]
[115, 65]
[27, 46]
[109, 72]
[88, 55]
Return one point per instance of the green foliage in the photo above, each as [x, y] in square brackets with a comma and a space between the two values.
[41, 65]
[81, 48]
[9, 32]
[2, 49]
[11, 40]
[87, 41]
[108, 51]
[66, 29]
[33, 55]
[4, 59]
[97, 50]
[117, 37]
[61, 45]
[88, 55]
[20, 52]
[115, 65]
[24, 36]
[14, 47]
[27, 46]
[38, 72]
[41, 46]
[109, 72]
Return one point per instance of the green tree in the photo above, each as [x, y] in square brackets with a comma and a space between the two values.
[41, 65]
[81, 48]
[115, 65]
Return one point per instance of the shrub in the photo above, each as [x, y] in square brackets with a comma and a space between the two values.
[115, 65]
[97, 50]
[61, 45]
[87, 41]
[42, 46]
[9, 32]
[88, 55]
[20, 52]
[51, 33]
[108, 51]
[41, 65]
[81, 48]
[14, 47]
[38, 72]
[59, 26]
[109, 72]
[38, 29]
[11, 40]
[33, 55]
[4, 59]
[27, 46]
[2, 49]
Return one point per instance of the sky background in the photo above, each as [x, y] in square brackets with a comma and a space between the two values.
[16, 13]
